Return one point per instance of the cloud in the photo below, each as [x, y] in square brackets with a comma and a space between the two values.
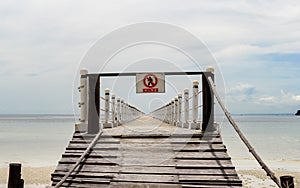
[268, 99]
[241, 92]
[285, 98]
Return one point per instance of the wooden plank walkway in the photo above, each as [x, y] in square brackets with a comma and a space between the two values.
[148, 153]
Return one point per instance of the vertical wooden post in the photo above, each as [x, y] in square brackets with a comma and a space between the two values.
[208, 102]
[14, 178]
[287, 181]
[94, 103]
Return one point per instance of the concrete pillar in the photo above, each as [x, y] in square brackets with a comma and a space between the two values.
[83, 96]
[195, 124]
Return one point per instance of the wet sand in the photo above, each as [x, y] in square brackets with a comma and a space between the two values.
[36, 177]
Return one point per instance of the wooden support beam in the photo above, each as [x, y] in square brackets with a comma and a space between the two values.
[208, 103]
[287, 181]
[14, 179]
[94, 103]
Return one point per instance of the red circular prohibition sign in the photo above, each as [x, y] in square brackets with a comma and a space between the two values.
[150, 80]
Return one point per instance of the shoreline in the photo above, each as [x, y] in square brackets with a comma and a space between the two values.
[35, 177]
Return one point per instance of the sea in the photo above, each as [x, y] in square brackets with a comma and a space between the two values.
[39, 140]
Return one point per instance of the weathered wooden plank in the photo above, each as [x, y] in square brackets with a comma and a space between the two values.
[94, 154]
[77, 141]
[215, 172]
[198, 146]
[142, 185]
[85, 174]
[84, 180]
[201, 150]
[108, 161]
[197, 178]
[195, 142]
[89, 168]
[82, 184]
[146, 178]
[207, 186]
[94, 149]
[204, 163]
[97, 146]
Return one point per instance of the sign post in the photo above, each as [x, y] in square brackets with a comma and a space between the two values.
[150, 83]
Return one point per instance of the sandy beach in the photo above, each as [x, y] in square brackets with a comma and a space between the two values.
[33, 176]
[36, 177]
[258, 178]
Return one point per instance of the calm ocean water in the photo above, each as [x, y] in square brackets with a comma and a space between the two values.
[39, 140]
[34, 140]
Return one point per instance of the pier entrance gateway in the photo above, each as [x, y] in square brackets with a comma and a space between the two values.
[152, 83]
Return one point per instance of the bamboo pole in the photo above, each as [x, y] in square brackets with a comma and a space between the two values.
[82, 157]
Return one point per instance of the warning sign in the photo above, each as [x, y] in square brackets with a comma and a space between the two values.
[150, 83]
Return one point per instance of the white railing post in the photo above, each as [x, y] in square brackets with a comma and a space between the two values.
[186, 108]
[122, 111]
[176, 111]
[165, 113]
[83, 96]
[179, 109]
[113, 108]
[106, 124]
[170, 112]
[106, 105]
[173, 112]
[119, 111]
[126, 112]
[195, 124]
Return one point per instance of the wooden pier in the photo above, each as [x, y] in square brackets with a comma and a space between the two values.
[148, 153]
[124, 148]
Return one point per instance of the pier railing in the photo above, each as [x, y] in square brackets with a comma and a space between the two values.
[183, 110]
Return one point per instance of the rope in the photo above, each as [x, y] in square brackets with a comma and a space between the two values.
[199, 92]
[243, 138]
[82, 157]
[196, 95]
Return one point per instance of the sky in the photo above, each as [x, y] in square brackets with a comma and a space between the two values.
[256, 45]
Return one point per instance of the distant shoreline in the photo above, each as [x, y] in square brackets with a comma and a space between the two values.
[267, 114]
